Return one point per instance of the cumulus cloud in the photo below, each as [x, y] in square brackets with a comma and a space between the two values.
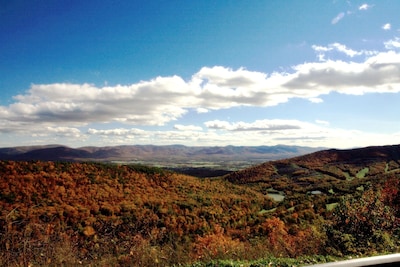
[339, 17]
[375, 74]
[84, 103]
[202, 110]
[63, 131]
[386, 26]
[224, 77]
[61, 109]
[364, 7]
[347, 51]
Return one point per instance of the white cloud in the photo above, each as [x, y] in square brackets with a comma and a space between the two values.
[316, 100]
[116, 132]
[319, 48]
[345, 50]
[217, 124]
[259, 125]
[375, 74]
[59, 111]
[181, 127]
[387, 26]
[393, 43]
[166, 99]
[219, 133]
[339, 17]
[364, 7]
[322, 50]
[202, 110]
[269, 132]
[147, 103]
[64, 131]
[225, 77]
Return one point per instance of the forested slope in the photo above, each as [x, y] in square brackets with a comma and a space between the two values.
[56, 213]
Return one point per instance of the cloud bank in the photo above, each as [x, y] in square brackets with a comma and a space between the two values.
[165, 99]
[63, 109]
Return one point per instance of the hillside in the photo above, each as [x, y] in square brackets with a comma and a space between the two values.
[332, 202]
[323, 170]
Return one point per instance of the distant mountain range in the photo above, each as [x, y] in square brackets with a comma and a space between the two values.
[152, 153]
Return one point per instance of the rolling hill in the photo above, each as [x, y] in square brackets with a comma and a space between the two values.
[331, 166]
[330, 203]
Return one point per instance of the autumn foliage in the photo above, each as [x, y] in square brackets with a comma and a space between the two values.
[55, 213]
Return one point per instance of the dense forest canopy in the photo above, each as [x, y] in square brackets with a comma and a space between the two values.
[65, 213]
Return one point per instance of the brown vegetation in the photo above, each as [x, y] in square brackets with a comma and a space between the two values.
[60, 213]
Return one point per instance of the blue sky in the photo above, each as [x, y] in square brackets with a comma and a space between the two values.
[312, 73]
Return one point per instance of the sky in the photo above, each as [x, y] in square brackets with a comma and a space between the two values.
[200, 73]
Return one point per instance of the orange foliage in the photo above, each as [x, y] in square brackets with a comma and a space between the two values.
[216, 245]
[102, 209]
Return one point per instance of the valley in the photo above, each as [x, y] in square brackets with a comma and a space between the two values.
[320, 206]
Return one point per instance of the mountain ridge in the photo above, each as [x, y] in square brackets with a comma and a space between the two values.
[153, 152]
[323, 169]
